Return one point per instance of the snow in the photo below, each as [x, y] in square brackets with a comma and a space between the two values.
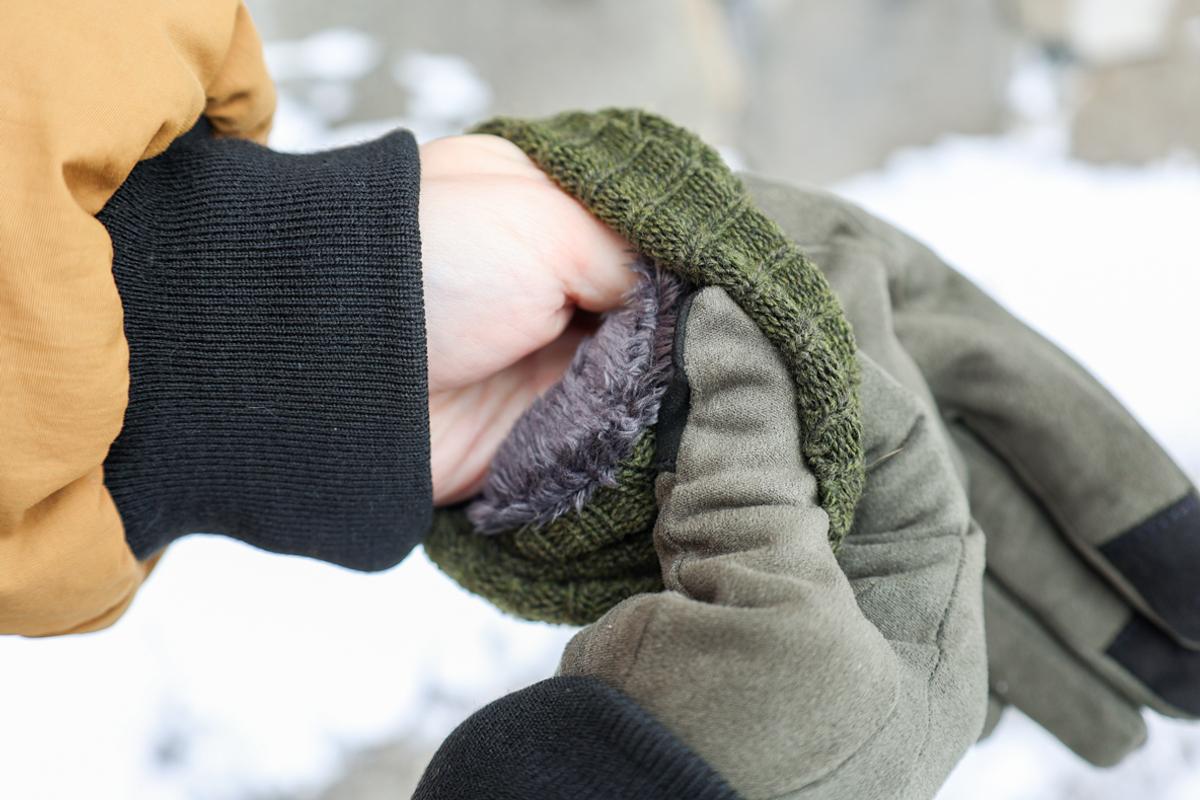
[238, 673]
[1117, 30]
[334, 54]
[441, 87]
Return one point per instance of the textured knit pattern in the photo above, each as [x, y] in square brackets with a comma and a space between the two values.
[274, 312]
[572, 569]
[670, 195]
[567, 739]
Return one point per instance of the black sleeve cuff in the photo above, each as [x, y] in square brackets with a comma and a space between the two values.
[274, 311]
[567, 738]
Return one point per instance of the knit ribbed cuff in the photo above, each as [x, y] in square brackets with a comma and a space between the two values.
[275, 319]
[568, 738]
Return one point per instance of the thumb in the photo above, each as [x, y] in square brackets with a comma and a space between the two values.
[739, 484]
[595, 274]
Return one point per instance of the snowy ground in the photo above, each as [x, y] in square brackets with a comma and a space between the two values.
[238, 674]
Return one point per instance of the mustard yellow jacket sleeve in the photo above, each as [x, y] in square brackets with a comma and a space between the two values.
[87, 89]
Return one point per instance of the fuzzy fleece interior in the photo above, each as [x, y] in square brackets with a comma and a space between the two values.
[570, 441]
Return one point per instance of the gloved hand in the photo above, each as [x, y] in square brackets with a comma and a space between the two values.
[793, 673]
[1093, 533]
[897, 295]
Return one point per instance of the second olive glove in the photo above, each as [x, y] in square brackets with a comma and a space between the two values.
[1093, 533]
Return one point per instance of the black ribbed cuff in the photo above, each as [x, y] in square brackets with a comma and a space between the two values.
[567, 738]
[275, 319]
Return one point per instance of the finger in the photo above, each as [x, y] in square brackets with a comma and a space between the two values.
[1029, 557]
[675, 199]
[757, 656]
[590, 258]
[1112, 491]
[595, 271]
[1029, 669]
[467, 425]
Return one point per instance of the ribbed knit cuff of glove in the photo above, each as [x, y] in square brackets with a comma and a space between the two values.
[563, 530]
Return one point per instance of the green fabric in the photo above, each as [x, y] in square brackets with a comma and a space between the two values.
[572, 570]
[796, 672]
[1054, 467]
[678, 204]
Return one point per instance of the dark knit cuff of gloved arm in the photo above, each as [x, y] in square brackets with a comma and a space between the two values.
[568, 738]
[278, 381]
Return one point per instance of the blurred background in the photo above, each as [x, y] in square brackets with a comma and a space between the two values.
[1047, 148]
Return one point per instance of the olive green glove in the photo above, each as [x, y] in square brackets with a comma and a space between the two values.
[795, 673]
[1093, 533]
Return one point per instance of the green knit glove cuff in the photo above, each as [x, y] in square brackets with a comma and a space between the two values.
[673, 198]
[571, 570]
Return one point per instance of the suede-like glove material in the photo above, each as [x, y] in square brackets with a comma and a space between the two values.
[1093, 533]
[795, 673]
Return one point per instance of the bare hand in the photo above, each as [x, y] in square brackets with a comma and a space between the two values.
[508, 257]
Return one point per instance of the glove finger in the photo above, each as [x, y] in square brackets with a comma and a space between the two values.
[1030, 670]
[1111, 489]
[1026, 554]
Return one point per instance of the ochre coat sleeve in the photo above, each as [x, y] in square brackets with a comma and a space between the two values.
[87, 89]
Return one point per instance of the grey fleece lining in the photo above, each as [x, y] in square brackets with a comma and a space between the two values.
[570, 441]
